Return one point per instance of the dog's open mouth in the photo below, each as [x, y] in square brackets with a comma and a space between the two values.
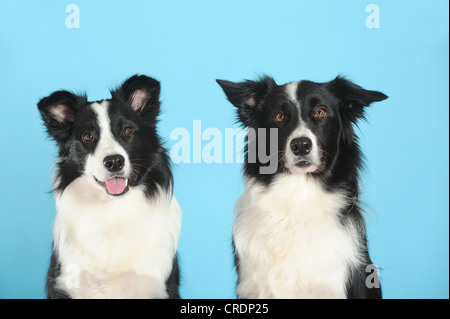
[115, 186]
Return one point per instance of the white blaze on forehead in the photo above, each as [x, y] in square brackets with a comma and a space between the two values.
[302, 130]
[107, 145]
[107, 142]
[291, 91]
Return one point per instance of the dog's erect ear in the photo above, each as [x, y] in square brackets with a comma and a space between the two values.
[248, 96]
[353, 97]
[140, 92]
[58, 111]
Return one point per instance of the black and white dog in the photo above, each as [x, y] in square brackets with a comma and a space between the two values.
[299, 232]
[117, 225]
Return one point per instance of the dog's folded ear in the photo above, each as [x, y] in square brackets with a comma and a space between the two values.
[141, 93]
[248, 97]
[353, 97]
[58, 111]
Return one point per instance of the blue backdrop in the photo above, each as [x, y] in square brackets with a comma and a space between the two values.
[187, 45]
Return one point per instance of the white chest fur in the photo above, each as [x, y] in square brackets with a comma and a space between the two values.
[115, 247]
[290, 241]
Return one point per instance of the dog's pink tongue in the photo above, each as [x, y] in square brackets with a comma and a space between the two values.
[116, 185]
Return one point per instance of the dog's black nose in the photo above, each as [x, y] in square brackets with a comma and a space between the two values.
[114, 163]
[301, 146]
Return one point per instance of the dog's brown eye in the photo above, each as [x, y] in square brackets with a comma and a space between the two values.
[88, 136]
[320, 113]
[280, 117]
[127, 130]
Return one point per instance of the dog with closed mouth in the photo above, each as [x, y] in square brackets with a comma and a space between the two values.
[299, 232]
[117, 225]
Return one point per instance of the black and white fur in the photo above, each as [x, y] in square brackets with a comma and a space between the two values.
[300, 232]
[117, 225]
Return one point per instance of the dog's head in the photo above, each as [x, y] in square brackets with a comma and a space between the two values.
[109, 141]
[313, 121]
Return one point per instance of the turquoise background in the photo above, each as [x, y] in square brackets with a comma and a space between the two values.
[187, 45]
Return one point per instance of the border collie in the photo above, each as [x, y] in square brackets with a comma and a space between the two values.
[117, 224]
[299, 232]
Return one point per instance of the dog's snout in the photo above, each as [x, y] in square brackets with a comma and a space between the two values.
[301, 146]
[114, 163]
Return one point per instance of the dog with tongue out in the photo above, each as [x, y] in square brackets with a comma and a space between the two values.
[117, 223]
[116, 185]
